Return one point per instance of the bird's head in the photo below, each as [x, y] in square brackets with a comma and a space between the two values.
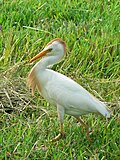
[56, 47]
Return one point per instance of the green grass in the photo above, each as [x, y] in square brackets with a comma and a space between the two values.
[91, 31]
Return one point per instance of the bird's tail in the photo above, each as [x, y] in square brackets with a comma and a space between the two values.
[102, 108]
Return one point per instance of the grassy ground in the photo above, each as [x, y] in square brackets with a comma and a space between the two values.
[91, 30]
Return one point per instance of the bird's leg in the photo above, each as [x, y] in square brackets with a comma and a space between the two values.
[86, 127]
[60, 111]
[60, 135]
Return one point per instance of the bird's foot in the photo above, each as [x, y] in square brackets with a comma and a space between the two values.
[59, 136]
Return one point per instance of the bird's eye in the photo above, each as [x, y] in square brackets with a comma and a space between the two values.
[50, 49]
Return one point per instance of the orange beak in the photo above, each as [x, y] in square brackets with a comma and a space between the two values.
[41, 54]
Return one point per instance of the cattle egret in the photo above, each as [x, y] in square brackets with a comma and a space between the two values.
[68, 96]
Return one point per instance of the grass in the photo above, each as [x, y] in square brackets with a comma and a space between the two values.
[91, 30]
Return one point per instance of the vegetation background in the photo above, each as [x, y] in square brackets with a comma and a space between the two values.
[92, 32]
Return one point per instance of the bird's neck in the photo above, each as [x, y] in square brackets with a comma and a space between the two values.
[47, 61]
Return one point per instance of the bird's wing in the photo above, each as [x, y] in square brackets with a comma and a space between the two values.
[66, 92]
[72, 96]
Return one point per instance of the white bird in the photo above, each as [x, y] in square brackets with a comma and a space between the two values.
[68, 96]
